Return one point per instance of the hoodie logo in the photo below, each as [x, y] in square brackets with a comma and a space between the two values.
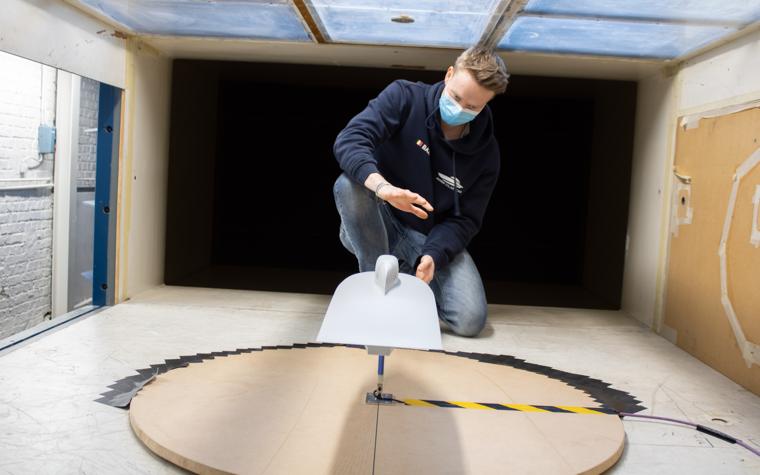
[423, 146]
[449, 181]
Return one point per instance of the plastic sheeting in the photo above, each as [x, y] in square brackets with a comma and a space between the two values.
[234, 19]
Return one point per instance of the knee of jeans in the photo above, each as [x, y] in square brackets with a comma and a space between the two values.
[345, 187]
[342, 185]
[349, 195]
[470, 322]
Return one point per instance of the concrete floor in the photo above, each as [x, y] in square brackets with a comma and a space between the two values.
[49, 422]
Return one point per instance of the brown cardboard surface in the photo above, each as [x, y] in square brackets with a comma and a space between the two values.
[303, 411]
[710, 154]
[282, 411]
[438, 440]
[744, 259]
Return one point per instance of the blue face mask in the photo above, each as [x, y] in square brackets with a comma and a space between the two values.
[452, 113]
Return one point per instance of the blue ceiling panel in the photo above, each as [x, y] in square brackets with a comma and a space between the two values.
[457, 23]
[608, 38]
[275, 20]
[707, 11]
[656, 29]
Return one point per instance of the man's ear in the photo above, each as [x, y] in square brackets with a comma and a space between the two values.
[449, 73]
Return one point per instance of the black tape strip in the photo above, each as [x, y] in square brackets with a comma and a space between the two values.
[124, 390]
[553, 409]
[613, 401]
[498, 407]
[716, 433]
[175, 363]
[442, 404]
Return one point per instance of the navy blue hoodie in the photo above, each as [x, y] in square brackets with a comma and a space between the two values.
[399, 136]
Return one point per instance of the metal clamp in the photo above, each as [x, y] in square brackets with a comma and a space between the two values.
[684, 178]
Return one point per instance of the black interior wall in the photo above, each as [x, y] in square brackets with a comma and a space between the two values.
[190, 185]
[251, 173]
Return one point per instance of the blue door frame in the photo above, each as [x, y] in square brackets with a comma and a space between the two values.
[106, 176]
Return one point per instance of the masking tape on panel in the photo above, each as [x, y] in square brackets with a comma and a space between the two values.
[692, 121]
[755, 238]
[676, 220]
[750, 351]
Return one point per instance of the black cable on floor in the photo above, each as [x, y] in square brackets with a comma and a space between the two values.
[704, 429]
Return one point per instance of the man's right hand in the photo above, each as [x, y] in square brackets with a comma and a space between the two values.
[405, 200]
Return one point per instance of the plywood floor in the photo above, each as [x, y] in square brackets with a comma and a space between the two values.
[302, 411]
[49, 421]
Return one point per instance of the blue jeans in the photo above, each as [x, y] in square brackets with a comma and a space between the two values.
[369, 229]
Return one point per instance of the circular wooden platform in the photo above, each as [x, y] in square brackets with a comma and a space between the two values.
[290, 411]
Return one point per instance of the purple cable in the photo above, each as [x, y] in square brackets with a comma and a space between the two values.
[700, 428]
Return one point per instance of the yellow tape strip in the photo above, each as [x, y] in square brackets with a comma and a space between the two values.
[502, 406]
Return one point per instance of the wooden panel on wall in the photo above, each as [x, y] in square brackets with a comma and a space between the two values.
[711, 154]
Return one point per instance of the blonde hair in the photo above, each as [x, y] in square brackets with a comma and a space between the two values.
[486, 67]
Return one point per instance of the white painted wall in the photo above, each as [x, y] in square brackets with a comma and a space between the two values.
[654, 110]
[725, 76]
[55, 33]
[143, 172]
[729, 75]
[379, 56]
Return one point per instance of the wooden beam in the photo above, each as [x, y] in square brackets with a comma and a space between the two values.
[502, 17]
[315, 26]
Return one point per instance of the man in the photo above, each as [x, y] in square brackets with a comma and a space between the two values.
[429, 152]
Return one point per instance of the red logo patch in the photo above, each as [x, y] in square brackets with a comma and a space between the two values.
[423, 146]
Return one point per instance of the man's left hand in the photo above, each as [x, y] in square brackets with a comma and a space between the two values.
[426, 269]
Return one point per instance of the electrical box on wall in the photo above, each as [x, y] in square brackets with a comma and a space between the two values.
[46, 139]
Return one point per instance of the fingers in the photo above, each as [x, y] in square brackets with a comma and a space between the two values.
[416, 204]
[419, 200]
[425, 264]
[417, 212]
[425, 269]
[409, 208]
[408, 201]
[424, 276]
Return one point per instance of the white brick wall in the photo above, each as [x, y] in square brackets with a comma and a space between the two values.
[26, 244]
[88, 119]
[27, 99]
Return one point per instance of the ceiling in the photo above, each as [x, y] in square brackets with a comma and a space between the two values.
[642, 29]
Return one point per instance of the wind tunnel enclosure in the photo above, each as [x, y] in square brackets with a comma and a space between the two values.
[251, 170]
